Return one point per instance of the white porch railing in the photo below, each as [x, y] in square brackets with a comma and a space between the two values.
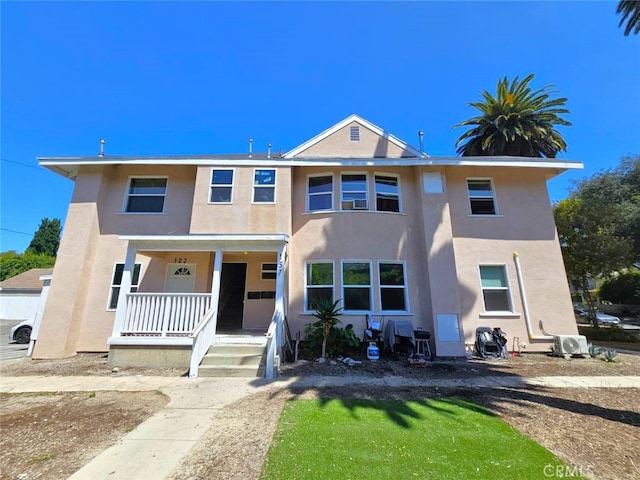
[164, 314]
[202, 336]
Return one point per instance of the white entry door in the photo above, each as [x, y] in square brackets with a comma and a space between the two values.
[181, 278]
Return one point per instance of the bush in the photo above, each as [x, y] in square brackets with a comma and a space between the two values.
[612, 334]
[341, 341]
[623, 289]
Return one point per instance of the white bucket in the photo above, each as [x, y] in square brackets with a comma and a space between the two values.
[373, 352]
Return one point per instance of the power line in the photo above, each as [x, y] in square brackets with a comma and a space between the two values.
[15, 231]
[20, 163]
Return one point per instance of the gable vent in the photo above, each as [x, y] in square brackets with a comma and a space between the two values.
[354, 133]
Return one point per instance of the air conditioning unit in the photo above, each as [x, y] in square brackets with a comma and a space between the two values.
[568, 345]
[360, 204]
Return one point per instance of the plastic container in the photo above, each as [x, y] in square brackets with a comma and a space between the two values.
[373, 352]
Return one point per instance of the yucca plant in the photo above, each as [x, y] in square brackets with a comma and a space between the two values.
[327, 312]
[517, 121]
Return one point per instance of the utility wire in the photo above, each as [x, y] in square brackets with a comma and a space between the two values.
[20, 163]
[15, 231]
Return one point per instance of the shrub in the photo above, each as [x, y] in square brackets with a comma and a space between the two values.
[340, 341]
[623, 289]
[612, 334]
[610, 355]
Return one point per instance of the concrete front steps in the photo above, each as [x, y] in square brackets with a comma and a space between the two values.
[235, 356]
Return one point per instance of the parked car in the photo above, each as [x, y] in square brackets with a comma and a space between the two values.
[21, 333]
[601, 317]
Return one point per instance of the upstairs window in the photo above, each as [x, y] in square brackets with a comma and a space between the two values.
[495, 288]
[116, 281]
[146, 195]
[387, 193]
[481, 196]
[354, 133]
[356, 286]
[264, 186]
[221, 186]
[320, 193]
[318, 284]
[392, 287]
[354, 192]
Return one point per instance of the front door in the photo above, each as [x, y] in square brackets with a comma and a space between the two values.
[181, 278]
[231, 306]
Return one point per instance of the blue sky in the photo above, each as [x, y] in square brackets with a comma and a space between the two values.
[203, 77]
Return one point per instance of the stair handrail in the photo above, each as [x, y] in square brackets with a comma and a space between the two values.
[202, 338]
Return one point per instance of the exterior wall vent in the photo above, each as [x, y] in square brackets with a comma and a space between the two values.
[354, 133]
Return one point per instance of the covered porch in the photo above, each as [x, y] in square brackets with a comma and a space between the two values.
[192, 289]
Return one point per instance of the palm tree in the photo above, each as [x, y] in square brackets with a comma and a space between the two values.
[518, 122]
[630, 10]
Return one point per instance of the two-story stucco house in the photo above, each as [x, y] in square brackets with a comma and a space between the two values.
[162, 257]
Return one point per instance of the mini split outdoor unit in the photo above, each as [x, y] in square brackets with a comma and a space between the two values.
[568, 345]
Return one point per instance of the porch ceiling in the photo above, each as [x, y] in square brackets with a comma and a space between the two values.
[207, 243]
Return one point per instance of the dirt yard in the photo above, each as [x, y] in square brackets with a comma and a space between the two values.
[593, 429]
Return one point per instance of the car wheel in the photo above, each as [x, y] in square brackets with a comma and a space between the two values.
[23, 335]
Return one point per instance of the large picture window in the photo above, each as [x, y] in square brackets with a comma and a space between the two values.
[387, 193]
[354, 192]
[221, 186]
[116, 281]
[318, 283]
[392, 286]
[146, 195]
[495, 288]
[264, 186]
[356, 285]
[320, 193]
[481, 196]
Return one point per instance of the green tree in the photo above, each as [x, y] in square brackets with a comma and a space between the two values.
[630, 10]
[13, 263]
[47, 238]
[590, 246]
[517, 121]
[618, 191]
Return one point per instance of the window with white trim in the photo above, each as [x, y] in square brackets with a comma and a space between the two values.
[116, 281]
[145, 195]
[264, 186]
[319, 193]
[481, 196]
[268, 271]
[387, 193]
[318, 283]
[221, 186]
[355, 193]
[354, 133]
[495, 288]
[356, 286]
[393, 288]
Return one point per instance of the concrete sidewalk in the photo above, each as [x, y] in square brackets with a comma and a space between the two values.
[155, 447]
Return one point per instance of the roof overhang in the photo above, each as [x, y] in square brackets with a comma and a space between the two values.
[68, 166]
[207, 243]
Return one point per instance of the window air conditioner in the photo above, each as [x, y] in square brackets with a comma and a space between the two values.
[568, 345]
[360, 204]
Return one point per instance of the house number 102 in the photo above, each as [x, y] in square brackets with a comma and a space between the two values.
[180, 260]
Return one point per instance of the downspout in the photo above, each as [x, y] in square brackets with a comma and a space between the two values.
[525, 304]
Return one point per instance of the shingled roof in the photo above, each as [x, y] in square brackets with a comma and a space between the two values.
[29, 280]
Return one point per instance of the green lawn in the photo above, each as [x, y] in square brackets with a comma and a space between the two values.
[429, 439]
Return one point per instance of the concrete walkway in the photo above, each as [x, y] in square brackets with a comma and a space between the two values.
[155, 447]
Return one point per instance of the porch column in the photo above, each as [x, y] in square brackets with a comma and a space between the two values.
[280, 303]
[215, 281]
[125, 287]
